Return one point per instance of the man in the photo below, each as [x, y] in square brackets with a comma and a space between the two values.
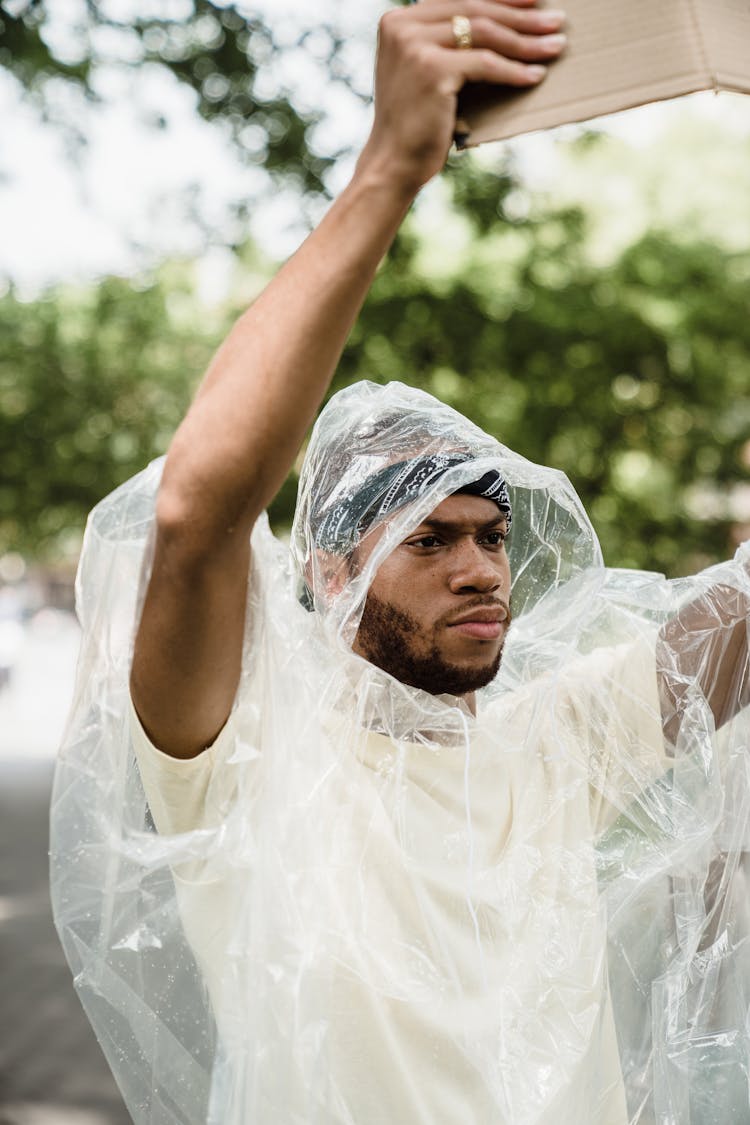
[390, 821]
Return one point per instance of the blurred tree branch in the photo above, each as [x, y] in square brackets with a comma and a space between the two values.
[213, 50]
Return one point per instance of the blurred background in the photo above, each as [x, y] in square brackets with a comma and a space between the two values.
[583, 295]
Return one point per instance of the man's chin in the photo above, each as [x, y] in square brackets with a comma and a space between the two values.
[471, 682]
[439, 677]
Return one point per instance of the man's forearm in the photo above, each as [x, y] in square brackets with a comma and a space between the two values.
[267, 380]
[239, 439]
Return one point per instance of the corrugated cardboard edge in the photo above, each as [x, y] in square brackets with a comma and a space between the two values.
[622, 53]
[486, 119]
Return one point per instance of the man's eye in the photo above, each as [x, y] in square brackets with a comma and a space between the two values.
[496, 538]
[426, 541]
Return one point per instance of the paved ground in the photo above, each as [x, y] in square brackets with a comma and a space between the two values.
[51, 1069]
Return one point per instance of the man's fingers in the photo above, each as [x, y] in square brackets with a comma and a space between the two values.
[487, 66]
[486, 35]
[509, 44]
[520, 17]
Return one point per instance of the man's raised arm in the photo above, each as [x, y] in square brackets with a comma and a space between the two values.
[240, 436]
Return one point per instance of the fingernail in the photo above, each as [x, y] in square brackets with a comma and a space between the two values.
[554, 42]
[536, 73]
[553, 17]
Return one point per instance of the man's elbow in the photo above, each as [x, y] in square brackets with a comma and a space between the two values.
[195, 529]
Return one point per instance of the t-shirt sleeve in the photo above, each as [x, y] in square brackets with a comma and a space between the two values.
[189, 801]
[185, 795]
[612, 700]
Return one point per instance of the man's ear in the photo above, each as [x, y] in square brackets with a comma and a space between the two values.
[330, 572]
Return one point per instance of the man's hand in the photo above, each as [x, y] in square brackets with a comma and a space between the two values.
[420, 72]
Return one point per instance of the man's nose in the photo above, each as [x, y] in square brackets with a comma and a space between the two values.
[473, 570]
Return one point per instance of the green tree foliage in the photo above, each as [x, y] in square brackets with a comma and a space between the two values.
[631, 378]
[91, 386]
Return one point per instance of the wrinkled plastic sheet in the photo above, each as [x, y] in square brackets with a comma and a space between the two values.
[393, 910]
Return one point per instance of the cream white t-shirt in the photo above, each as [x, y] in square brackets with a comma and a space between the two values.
[523, 1034]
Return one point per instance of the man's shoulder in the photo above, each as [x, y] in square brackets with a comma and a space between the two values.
[564, 672]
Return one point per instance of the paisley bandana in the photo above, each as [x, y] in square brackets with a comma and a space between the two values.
[341, 528]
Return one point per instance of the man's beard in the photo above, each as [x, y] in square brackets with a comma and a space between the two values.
[385, 638]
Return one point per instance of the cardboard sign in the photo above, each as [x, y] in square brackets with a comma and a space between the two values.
[620, 53]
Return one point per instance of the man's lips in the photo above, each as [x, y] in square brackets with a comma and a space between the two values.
[483, 622]
[482, 630]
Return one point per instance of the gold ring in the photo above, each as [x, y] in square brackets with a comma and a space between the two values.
[462, 32]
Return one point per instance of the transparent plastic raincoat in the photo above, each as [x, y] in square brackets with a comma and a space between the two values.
[365, 904]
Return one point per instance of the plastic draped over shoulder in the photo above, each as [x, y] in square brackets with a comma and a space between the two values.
[364, 903]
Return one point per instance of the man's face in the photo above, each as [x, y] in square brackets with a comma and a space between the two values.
[438, 609]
